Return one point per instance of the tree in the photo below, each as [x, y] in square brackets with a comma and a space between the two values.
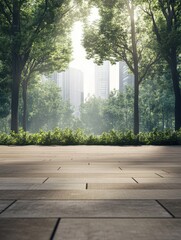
[46, 109]
[26, 21]
[165, 16]
[44, 60]
[120, 36]
[4, 91]
[118, 110]
[157, 101]
[91, 115]
[5, 83]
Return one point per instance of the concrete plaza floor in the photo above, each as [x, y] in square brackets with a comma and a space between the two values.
[90, 193]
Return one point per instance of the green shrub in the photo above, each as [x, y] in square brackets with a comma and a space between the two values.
[78, 137]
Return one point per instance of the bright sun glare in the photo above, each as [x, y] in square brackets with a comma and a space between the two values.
[79, 54]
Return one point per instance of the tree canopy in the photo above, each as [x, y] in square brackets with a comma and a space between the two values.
[28, 28]
[121, 34]
[166, 24]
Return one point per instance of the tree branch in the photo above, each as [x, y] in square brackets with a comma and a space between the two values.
[125, 46]
[156, 28]
[41, 18]
[174, 14]
[161, 3]
[123, 55]
[3, 11]
[148, 67]
[8, 6]
[21, 2]
[37, 30]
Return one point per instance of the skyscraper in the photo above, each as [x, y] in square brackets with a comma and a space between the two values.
[125, 78]
[72, 87]
[102, 80]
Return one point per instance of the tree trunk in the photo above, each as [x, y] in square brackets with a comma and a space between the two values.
[15, 102]
[176, 87]
[136, 105]
[16, 68]
[136, 73]
[163, 119]
[24, 105]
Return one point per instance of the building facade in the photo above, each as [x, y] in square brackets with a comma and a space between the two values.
[72, 87]
[125, 78]
[102, 80]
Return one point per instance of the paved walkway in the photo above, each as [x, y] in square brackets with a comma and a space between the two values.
[90, 193]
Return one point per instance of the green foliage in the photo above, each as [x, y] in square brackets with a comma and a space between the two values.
[78, 137]
[121, 34]
[118, 110]
[157, 101]
[165, 17]
[5, 86]
[167, 137]
[35, 38]
[110, 38]
[46, 108]
[91, 115]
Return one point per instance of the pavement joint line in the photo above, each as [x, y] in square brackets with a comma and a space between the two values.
[55, 229]
[135, 180]
[165, 208]
[8, 206]
[159, 175]
[45, 180]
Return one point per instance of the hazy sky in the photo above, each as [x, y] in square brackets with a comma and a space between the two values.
[80, 61]
[87, 66]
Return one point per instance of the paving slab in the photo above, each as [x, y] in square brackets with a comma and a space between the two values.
[174, 206]
[90, 180]
[26, 229]
[142, 171]
[30, 174]
[50, 186]
[158, 180]
[83, 185]
[105, 171]
[152, 165]
[172, 170]
[19, 171]
[16, 186]
[16, 180]
[91, 194]
[109, 208]
[133, 186]
[12, 194]
[90, 170]
[171, 175]
[118, 229]
[59, 174]
[59, 186]
[4, 204]
[28, 167]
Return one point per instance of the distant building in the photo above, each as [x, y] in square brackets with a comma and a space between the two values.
[125, 78]
[72, 87]
[102, 80]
